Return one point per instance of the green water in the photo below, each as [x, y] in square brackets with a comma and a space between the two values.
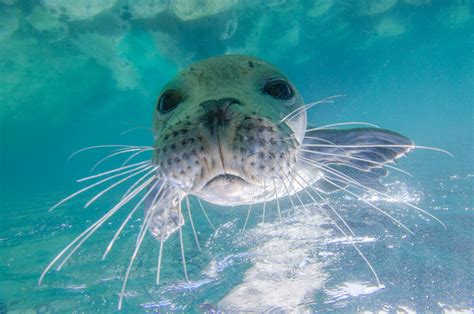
[76, 74]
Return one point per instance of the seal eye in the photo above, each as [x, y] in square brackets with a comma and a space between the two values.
[279, 89]
[169, 100]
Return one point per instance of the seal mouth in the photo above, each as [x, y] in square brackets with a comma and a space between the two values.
[227, 177]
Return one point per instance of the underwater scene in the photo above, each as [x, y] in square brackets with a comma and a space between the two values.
[82, 102]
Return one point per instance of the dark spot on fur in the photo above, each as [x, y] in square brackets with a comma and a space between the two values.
[173, 146]
[251, 64]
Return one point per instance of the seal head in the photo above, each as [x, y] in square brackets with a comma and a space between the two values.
[219, 132]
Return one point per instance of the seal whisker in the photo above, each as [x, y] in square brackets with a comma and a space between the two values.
[188, 207]
[113, 171]
[103, 146]
[139, 168]
[152, 207]
[277, 199]
[398, 222]
[92, 231]
[356, 158]
[135, 129]
[129, 216]
[98, 195]
[135, 155]
[383, 145]
[153, 169]
[332, 125]
[264, 201]
[288, 193]
[298, 197]
[205, 214]
[359, 252]
[160, 253]
[324, 200]
[119, 152]
[305, 107]
[98, 222]
[366, 188]
[248, 213]
[145, 224]
[181, 244]
[319, 139]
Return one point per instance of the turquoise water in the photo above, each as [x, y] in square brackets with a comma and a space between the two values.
[76, 74]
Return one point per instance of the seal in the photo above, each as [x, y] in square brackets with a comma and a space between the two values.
[233, 130]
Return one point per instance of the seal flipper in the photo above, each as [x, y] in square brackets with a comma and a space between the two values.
[358, 154]
[165, 213]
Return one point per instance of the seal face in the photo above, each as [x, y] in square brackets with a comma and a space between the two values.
[221, 136]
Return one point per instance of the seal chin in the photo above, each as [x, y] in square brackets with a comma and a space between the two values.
[226, 189]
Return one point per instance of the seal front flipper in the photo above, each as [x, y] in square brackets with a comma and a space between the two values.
[166, 216]
[359, 154]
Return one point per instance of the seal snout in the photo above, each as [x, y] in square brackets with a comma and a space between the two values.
[217, 112]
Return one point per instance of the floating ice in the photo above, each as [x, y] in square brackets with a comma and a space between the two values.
[44, 21]
[77, 10]
[146, 8]
[105, 51]
[389, 27]
[320, 7]
[191, 9]
[456, 15]
[373, 7]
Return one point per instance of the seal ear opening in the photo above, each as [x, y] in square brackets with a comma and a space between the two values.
[360, 155]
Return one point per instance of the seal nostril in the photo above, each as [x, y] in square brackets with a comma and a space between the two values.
[217, 112]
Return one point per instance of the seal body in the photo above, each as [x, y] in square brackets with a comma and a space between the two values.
[229, 130]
